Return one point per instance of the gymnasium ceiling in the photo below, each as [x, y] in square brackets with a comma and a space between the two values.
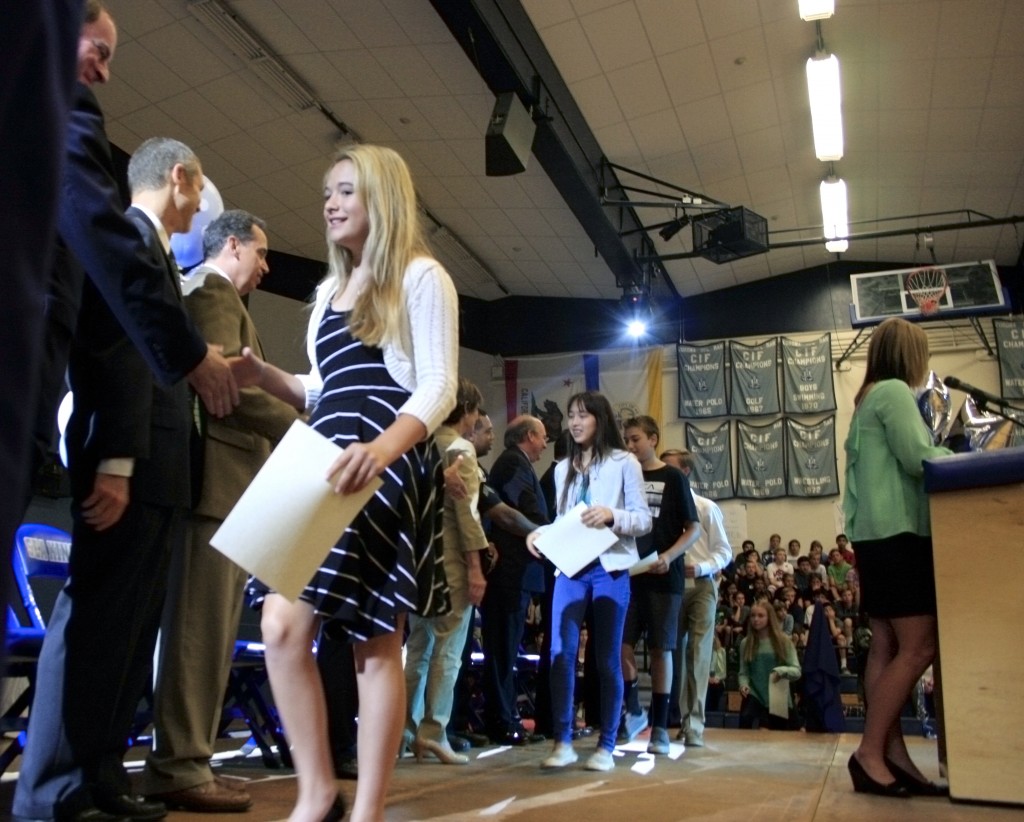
[707, 95]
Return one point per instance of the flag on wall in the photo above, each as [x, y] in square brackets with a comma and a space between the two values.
[760, 461]
[755, 378]
[712, 478]
[542, 386]
[811, 456]
[1010, 345]
[701, 380]
[807, 376]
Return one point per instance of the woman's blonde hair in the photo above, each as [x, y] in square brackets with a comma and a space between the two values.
[898, 350]
[385, 189]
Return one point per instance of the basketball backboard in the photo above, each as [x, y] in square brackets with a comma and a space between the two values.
[971, 289]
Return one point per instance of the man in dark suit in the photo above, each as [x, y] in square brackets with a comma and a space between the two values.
[96, 238]
[505, 603]
[205, 589]
[128, 445]
[37, 70]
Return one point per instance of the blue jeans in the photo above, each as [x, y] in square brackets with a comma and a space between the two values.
[610, 595]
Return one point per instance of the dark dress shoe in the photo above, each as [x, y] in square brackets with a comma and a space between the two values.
[915, 786]
[337, 811]
[862, 783]
[508, 736]
[132, 807]
[209, 797]
[458, 743]
[347, 768]
[92, 815]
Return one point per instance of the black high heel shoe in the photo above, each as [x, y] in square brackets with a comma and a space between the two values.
[337, 811]
[915, 786]
[862, 783]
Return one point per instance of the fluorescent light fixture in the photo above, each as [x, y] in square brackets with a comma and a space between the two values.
[817, 9]
[826, 106]
[834, 217]
[235, 33]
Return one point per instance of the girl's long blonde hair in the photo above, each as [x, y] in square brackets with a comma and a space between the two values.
[385, 188]
[778, 639]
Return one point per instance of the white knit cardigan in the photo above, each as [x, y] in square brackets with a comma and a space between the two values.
[424, 359]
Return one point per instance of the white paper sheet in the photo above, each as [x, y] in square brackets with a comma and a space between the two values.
[289, 517]
[641, 566]
[570, 544]
[778, 697]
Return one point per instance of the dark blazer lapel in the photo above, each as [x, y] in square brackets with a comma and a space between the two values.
[153, 238]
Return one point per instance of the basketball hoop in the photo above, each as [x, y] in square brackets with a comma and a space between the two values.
[926, 287]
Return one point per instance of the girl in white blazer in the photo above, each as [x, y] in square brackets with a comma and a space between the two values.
[601, 473]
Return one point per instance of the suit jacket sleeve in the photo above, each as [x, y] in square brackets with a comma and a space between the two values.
[220, 316]
[517, 485]
[132, 281]
[113, 391]
[471, 531]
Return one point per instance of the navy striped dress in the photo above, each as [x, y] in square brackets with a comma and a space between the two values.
[389, 560]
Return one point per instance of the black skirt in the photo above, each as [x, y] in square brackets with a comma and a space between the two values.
[897, 576]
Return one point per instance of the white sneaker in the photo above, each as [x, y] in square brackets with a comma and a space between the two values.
[563, 754]
[600, 760]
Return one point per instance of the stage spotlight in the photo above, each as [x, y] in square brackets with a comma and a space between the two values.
[636, 328]
[636, 310]
[670, 230]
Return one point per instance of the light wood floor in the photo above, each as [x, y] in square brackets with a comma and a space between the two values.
[741, 775]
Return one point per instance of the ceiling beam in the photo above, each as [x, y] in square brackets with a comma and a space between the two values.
[501, 42]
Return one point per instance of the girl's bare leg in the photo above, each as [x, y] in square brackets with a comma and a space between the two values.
[288, 631]
[381, 683]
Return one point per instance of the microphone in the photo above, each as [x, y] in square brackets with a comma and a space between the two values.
[979, 395]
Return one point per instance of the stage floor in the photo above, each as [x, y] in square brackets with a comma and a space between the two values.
[741, 775]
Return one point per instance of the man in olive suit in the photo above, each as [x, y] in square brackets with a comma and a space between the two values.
[205, 589]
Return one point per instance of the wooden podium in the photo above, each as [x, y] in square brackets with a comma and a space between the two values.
[977, 517]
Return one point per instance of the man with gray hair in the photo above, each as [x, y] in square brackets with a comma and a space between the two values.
[128, 446]
[507, 597]
[205, 589]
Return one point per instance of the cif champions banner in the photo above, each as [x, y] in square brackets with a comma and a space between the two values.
[701, 380]
[542, 386]
[807, 385]
[712, 451]
[760, 459]
[755, 380]
[1010, 342]
[811, 454]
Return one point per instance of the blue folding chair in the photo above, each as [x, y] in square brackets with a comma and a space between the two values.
[246, 698]
[40, 551]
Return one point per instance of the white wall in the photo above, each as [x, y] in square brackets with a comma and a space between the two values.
[955, 350]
